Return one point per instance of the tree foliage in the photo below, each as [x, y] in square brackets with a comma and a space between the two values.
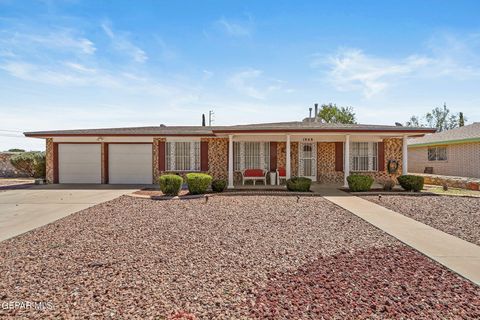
[16, 150]
[330, 113]
[440, 118]
[32, 163]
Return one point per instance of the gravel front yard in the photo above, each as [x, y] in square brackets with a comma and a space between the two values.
[458, 216]
[232, 257]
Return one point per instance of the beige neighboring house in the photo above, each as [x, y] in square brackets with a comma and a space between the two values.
[455, 152]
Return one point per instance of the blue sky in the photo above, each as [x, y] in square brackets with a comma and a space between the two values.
[87, 64]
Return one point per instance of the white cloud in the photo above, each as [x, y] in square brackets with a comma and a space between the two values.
[14, 41]
[122, 44]
[236, 28]
[351, 69]
[79, 67]
[252, 83]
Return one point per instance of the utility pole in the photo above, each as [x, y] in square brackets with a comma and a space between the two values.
[210, 117]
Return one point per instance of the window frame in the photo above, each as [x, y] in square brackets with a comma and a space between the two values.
[194, 164]
[437, 153]
[363, 156]
[246, 147]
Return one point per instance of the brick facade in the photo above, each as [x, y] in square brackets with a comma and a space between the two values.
[218, 159]
[462, 160]
[49, 176]
[326, 164]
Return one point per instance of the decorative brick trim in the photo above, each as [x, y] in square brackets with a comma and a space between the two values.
[49, 160]
[327, 162]
[217, 157]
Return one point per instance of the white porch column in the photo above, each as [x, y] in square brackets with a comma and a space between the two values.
[404, 156]
[289, 162]
[230, 162]
[346, 160]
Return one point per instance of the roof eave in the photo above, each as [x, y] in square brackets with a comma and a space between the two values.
[417, 131]
[49, 135]
[447, 142]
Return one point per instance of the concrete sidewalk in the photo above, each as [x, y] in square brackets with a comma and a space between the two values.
[454, 253]
[25, 209]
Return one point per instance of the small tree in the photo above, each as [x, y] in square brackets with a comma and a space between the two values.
[439, 118]
[330, 113]
[31, 163]
[16, 150]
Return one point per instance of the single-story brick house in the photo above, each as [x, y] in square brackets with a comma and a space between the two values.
[454, 152]
[321, 151]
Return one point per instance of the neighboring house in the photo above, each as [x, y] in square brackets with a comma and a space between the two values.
[322, 152]
[454, 152]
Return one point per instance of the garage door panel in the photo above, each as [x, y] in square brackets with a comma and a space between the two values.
[130, 163]
[79, 163]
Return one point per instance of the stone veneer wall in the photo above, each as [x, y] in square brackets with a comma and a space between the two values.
[393, 151]
[217, 157]
[326, 164]
[49, 160]
[282, 156]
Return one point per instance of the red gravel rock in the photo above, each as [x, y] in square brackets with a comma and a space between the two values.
[458, 216]
[392, 283]
[139, 258]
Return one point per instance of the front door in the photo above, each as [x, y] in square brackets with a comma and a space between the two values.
[307, 166]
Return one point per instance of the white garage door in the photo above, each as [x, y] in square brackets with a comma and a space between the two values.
[79, 163]
[130, 163]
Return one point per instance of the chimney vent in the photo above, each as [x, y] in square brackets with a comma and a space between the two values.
[316, 112]
[309, 114]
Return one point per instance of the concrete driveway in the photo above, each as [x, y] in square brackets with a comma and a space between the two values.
[22, 210]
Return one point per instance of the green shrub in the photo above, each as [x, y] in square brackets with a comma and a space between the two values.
[299, 184]
[219, 185]
[31, 163]
[358, 183]
[198, 182]
[411, 182]
[170, 184]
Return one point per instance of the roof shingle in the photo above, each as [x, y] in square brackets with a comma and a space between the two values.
[468, 132]
[200, 130]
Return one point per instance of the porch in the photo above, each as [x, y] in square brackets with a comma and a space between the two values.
[326, 158]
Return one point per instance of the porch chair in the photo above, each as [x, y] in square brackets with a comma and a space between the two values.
[254, 175]
[281, 174]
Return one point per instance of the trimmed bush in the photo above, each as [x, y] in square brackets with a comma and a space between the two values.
[219, 185]
[358, 183]
[170, 184]
[411, 182]
[198, 183]
[32, 163]
[299, 184]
